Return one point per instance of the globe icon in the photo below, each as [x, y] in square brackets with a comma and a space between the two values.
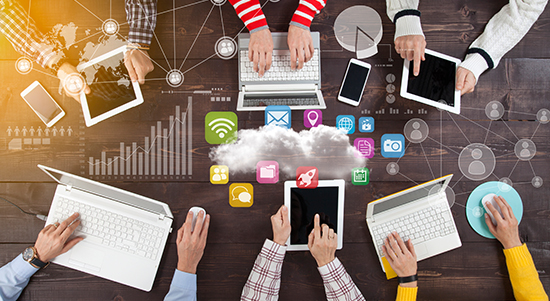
[345, 124]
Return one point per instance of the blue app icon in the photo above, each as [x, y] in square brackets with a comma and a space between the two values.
[392, 145]
[346, 124]
[366, 125]
[278, 115]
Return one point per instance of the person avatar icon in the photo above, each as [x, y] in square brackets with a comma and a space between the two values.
[476, 167]
[537, 182]
[525, 152]
[494, 112]
[543, 117]
[392, 169]
[477, 211]
[416, 134]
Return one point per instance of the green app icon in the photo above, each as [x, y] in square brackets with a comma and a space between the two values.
[220, 127]
[360, 176]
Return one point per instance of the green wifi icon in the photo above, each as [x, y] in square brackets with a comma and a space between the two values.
[220, 127]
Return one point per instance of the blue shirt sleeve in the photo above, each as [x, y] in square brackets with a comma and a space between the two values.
[14, 277]
[183, 287]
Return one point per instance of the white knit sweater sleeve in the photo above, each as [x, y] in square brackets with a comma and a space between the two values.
[502, 33]
[407, 24]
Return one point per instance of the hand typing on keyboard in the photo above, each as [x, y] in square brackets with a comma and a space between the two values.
[401, 256]
[260, 50]
[53, 240]
[300, 44]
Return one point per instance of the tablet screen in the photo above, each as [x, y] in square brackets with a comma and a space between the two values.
[305, 203]
[110, 85]
[435, 81]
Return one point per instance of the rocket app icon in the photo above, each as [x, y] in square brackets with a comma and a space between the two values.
[307, 177]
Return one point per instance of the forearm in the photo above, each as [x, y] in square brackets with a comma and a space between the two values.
[406, 293]
[338, 283]
[142, 19]
[502, 33]
[250, 12]
[14, 277]
[25, 37]
[523, 274]
[306, 11]
[406, 16]
[265, 278]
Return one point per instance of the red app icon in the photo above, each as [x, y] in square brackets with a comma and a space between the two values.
[307, 177]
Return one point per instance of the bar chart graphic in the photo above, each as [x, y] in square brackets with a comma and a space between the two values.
[165, 154]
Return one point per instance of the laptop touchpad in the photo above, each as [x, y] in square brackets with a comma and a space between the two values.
[87, 255]
[420, 250]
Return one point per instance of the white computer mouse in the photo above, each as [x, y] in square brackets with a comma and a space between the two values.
[490, 198]
[196, 211]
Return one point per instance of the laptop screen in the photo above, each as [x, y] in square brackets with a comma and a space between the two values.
[305, 203]
[408, 197]
[107, 191]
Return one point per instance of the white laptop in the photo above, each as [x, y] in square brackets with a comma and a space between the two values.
[327, 199]
[112, 91]
[298, 89]
[125, 233]
[421, 213]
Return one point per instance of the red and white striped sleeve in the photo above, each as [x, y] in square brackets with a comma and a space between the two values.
[307, 9]
[250, 12]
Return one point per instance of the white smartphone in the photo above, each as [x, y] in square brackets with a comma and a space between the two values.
[42, 104]
[354, 82]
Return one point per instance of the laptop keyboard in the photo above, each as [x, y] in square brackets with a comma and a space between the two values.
[112, 230]
[280, 68]
[284, 101]
[424, 225]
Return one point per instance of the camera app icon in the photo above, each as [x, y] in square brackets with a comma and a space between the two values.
[393, 145]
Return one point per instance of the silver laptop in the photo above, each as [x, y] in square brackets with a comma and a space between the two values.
[125, 233]
[298, 89]
[421, 213]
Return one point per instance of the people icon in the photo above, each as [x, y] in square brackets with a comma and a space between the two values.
[525, 152]
[476, 167]
[219, 175]
[494, 111]
[544, 117]
[416, 134]
[24, 65]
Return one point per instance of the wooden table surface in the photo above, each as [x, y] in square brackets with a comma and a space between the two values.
[477, 270]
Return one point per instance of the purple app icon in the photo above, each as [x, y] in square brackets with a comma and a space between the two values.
[267, 172]
[313, 118]
[364, 147]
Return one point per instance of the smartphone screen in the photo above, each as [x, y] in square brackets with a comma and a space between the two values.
[42, 104]
[353, 85]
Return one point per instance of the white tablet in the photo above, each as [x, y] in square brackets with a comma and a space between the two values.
[435, 83]
[112, 91]
[327, 199]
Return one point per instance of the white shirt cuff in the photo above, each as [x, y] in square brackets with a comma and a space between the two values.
[22, 267]
[185, 281]
[408, 25]
[475, 63]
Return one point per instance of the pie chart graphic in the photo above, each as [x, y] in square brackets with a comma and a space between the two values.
[359, 29]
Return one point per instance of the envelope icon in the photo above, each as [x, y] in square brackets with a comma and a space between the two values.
[278, 115]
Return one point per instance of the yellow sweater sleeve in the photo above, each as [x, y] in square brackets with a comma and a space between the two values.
[523, 275]
[406, 293]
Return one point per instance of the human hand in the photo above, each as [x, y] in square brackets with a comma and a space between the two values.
[52, 240]
[465, 80]
[281, 226]
[191, 245]
[322, 243]
[401, 257]
[63, 73]
[138, 63]
[411, 47]
[506, 230]
[260, 50]
[300, 44]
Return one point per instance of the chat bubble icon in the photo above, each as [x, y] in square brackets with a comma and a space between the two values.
[241, 195]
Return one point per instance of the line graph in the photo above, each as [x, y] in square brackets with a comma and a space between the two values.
[165, 155]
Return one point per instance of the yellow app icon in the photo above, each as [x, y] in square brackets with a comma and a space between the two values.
[219, 174]
[241, 195]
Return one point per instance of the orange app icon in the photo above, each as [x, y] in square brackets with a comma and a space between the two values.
[241, 195]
